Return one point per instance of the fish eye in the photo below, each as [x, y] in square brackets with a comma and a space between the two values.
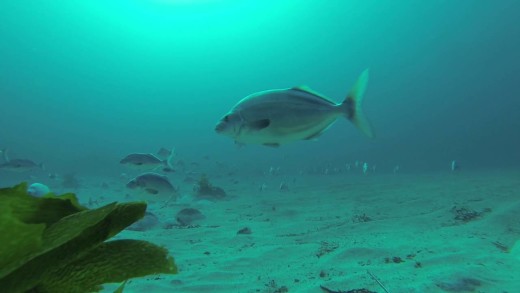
[226, 118]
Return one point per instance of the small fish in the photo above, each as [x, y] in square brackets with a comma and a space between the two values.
[18, 165]
[164, 153]
[189, 216]
[139, 160]
[281, 116]
[284, 186]
[148, 222]
[143, 161]
[262, 187]
[4, 155]
[153, 184]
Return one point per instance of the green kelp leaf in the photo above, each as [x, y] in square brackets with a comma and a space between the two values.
[17, 240]
[23, 219]
[121, 288]
[57, 207]
[69, 239]
[37, 210]
[110, 262]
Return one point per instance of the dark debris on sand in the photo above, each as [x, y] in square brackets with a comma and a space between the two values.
[459, 285]
[465, 215]
[204, 189]
[325, 289]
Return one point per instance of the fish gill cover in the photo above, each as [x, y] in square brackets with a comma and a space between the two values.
[53, 244]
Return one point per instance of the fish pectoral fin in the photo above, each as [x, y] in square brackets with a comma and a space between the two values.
[151, 191]
[259, 124]
[273, 145]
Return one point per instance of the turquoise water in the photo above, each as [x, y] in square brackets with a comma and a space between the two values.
[84, 82]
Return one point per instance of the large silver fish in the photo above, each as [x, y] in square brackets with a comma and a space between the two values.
[276, 117]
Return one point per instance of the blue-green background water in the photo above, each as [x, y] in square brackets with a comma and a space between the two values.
[82, 83]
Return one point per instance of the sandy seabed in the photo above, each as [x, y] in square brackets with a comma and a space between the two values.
[436, 232]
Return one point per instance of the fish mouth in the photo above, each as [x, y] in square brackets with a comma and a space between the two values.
[219, 128]
[131, 184]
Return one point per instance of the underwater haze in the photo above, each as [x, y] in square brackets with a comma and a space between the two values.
[84, 82]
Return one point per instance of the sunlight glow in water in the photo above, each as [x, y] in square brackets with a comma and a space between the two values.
[193, 20]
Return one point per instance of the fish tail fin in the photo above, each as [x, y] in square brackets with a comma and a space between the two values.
[352, 105]
[4, 154]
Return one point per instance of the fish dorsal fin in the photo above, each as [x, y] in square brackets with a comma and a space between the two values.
[306, 89]
[302, 88]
